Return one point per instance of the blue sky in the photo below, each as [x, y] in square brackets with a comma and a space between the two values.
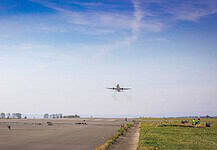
[58, 56]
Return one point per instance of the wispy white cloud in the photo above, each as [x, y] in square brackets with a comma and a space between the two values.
[96, 19]
[141, 19]
[138, 17]
[186, 10]
[194, 10]
[136, 23]
[99, 23]
[109, 20]
[157, 40]
[87, 4]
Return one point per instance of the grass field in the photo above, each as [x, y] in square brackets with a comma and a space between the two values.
[170, 134]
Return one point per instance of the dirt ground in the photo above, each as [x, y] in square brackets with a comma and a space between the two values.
[64, 134]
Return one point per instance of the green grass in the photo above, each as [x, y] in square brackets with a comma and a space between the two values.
[153, 136]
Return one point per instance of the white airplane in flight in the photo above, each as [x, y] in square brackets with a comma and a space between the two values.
[118, 88]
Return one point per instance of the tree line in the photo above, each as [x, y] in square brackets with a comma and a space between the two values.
[46, 116]
[10, 115]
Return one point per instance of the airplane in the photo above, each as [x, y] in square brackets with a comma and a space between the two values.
[118, 88]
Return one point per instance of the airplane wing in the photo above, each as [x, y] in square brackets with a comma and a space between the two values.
[112, 88]
[125, 88]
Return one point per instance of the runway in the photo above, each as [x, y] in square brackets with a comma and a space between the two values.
[65, 134]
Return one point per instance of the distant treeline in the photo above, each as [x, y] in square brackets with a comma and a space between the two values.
[53, 116]
[72, 116]
[10, 115]
[207, 116]
[46, 116]
[19, 116]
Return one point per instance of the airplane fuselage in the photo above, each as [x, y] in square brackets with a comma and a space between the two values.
[118, 88]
